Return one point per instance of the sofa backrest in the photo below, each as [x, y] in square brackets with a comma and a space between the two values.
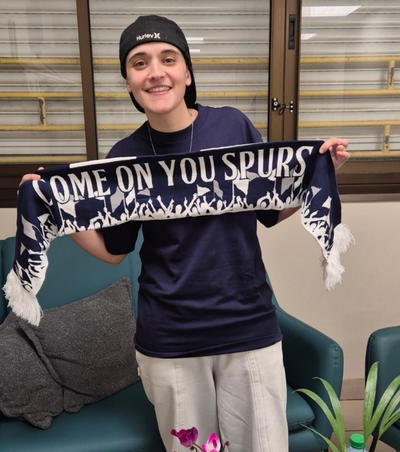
[73, 274]
[2, 299]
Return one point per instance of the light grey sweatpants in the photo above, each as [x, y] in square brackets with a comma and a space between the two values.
[239, 396]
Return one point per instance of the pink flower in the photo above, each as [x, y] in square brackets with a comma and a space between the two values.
[186, 437]
[213, 444]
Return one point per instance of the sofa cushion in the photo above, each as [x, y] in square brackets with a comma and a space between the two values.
[298, 411]
[87, 346]
[79, 354]
[27, 390]
[120, 423]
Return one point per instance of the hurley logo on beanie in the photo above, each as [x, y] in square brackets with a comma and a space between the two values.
[148, 36]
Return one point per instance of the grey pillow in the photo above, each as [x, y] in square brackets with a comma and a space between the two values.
[87, 346]
[27, 390]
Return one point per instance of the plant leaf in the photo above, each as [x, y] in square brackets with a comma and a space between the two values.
[328, 441]
[394, 415]
[337, 409]
[383, 404]
[369, 400]
[390, 416]
[336, 420]
[324, 407]
[392, 420]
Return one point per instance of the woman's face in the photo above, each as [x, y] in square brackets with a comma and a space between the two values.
[157, 76]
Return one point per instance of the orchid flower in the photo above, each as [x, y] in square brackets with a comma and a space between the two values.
[186, 437]
[213, 444]
[189, 437]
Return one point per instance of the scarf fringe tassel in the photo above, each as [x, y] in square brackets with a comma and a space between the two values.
[23, 303]
[332, 268]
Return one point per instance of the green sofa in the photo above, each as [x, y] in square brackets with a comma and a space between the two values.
[125, 421]
[383, 347]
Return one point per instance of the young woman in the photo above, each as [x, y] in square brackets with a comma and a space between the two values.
[208, 340]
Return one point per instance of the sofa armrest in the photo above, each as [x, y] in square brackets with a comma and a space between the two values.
[308, 353]
[383, 347]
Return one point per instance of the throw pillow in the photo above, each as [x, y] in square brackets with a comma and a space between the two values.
[87, 346]
[27, 390]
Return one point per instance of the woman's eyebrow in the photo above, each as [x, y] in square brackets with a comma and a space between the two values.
[176, 52]
[139, 54]
[136, 55]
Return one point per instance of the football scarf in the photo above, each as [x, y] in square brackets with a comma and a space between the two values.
[104, 193]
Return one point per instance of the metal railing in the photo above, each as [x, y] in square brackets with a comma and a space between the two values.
[262, 94]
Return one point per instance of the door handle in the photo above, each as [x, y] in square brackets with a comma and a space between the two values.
[292, 32]
[281, 107]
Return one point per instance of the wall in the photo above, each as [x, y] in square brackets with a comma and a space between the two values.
[8, 219]
[368, 297]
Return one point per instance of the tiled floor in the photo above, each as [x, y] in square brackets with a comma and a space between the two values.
[352, 406]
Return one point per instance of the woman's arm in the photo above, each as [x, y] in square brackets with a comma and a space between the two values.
[286, 213]
[91, 241]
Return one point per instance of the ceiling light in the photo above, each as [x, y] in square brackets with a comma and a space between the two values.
[307, 36]
[328, 11]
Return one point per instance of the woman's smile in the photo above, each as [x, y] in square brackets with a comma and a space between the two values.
[158, 89]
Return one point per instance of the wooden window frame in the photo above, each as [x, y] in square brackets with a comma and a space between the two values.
[360, 181]
[378, 181]
[11, 173]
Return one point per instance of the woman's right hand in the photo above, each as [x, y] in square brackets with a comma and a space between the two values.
[92, 241]
[30, 176]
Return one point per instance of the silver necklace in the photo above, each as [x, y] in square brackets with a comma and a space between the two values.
[152, 144]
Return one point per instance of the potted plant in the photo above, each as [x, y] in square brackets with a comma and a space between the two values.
[385, 411]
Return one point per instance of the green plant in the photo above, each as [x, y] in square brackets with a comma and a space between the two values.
[385, 411]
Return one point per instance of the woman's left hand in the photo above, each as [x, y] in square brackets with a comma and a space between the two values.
[338, 149]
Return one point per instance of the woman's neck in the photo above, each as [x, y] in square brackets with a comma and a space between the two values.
[173, 121]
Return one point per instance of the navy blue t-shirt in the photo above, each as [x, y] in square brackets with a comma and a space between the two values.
[203, 289]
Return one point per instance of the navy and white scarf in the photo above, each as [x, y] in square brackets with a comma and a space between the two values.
[104, 193]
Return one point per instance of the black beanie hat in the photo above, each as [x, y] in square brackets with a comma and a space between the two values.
[156, 29]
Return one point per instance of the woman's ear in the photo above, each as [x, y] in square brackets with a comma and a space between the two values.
[188, 78]
[128, 86]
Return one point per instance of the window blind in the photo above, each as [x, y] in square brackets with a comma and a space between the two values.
[350, 76]
[40, 89]
[228, 41]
